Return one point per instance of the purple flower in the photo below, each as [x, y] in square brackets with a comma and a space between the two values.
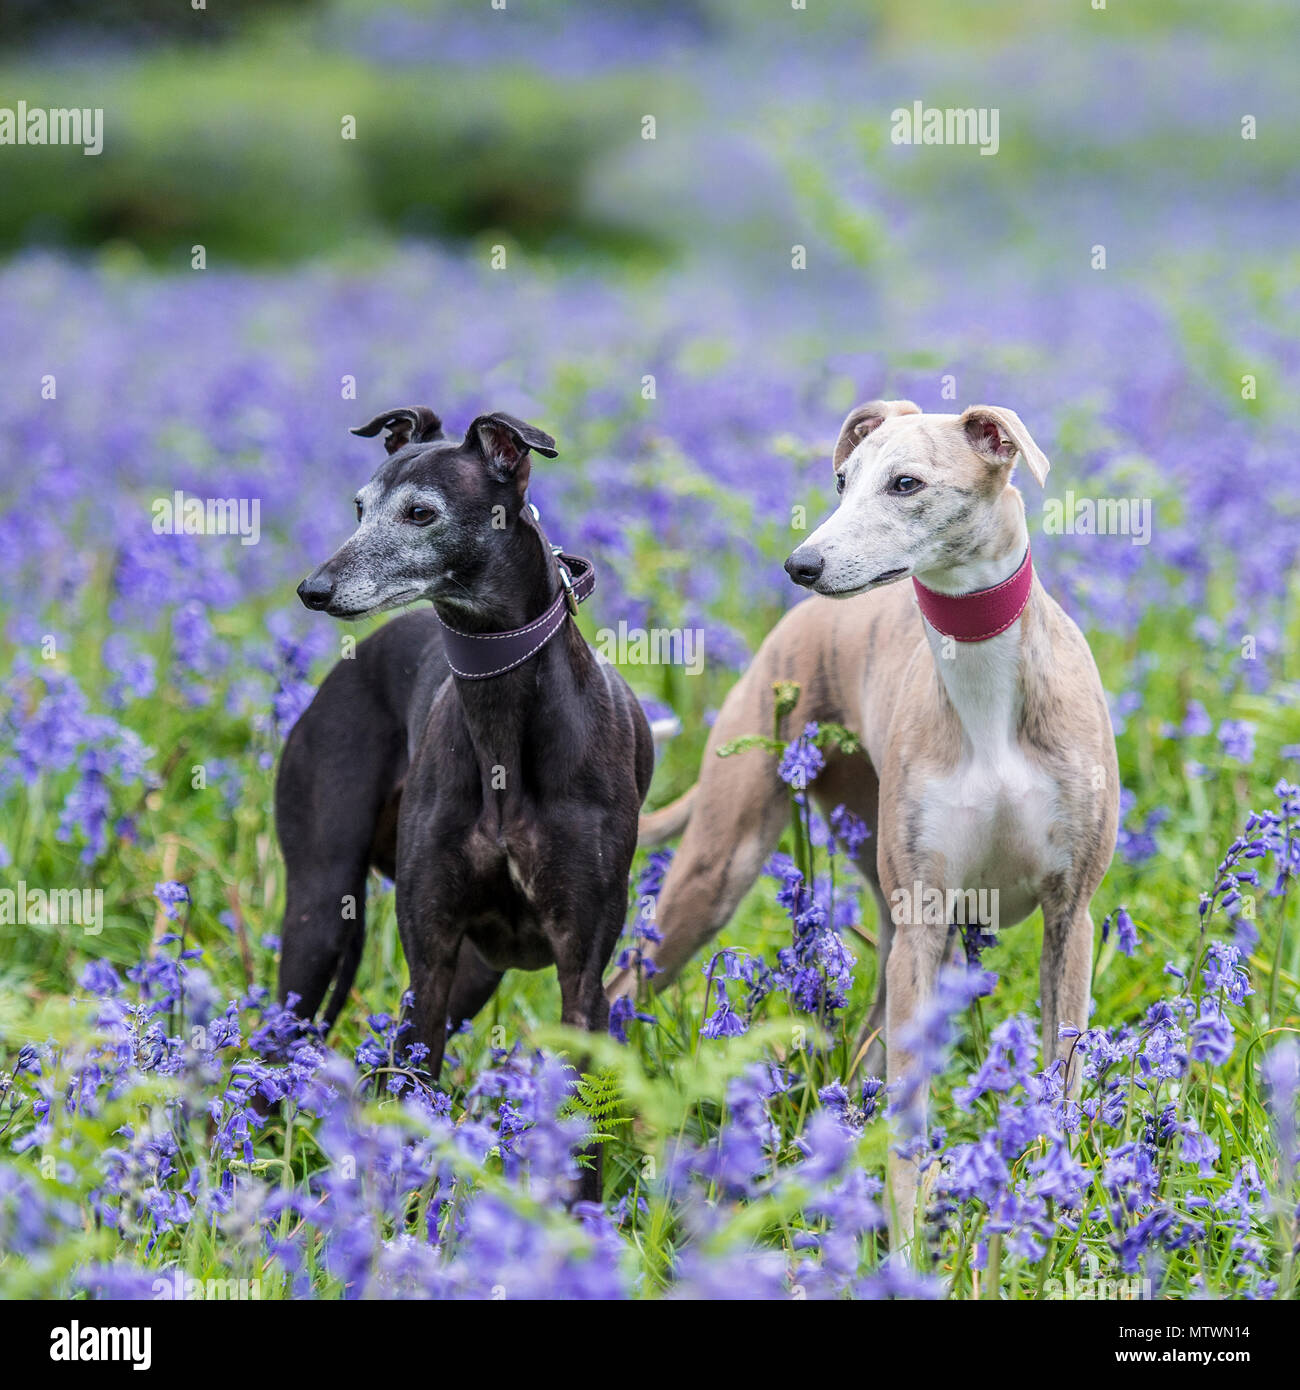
[896, 1279]
[930, 1036]
[1198, 1148]
[802, 760]
[133, 671]
[100, 978]
[1010, 1064]
[172, 896]
[1237, 736]
[1059, 1175]
[649, 884]
[1130, 1176]
[723, 1022]
[288, 704]
[1224, 973]
[1280, 1070]
[872, 1086]
[849, 830]
[817, 968]
[622, 1012]
[1126, 931]
[1197, 721]
[1211, 1035]
[827, 1145]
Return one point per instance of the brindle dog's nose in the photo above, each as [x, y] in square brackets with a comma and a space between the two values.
[805, 566]
[316, 590]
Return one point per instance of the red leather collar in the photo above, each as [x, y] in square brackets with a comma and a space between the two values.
[982, 613]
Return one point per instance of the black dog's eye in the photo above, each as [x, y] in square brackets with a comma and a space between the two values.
[905, 485]
[839, 482]
[421, 516]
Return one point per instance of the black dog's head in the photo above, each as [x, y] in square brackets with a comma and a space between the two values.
[433, 519]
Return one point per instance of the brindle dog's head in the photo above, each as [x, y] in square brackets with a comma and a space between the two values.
[918, 493]
[433, 519]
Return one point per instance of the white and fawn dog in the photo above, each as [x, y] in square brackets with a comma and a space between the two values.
[990, 761]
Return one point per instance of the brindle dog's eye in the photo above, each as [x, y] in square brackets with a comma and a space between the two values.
[906, 484]
[421, 516]
[357, 505]
[839, 482]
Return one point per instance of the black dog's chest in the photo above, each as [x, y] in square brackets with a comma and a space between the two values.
[502, 897]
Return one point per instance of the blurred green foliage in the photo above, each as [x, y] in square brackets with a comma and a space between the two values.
[238, 145]
[244, 152]
[118, 22]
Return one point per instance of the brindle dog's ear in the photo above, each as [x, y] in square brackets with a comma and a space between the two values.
[504, 442]
[862, 419]
[412, 424]
[998, 435]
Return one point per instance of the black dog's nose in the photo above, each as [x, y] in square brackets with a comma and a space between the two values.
[805, 566]
[316, 591]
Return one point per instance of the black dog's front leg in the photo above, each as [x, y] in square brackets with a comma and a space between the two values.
[431, 939]
[584, 944]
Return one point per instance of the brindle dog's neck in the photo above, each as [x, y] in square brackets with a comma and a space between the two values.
[984, 681]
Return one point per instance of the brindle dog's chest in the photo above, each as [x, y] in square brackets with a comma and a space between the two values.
[989, 822]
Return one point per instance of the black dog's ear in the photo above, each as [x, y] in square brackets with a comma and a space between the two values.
[412, 423]
[504, 442]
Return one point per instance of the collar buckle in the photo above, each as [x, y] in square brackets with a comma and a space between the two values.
[566, 582]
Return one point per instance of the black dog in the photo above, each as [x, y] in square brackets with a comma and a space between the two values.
[480, 754]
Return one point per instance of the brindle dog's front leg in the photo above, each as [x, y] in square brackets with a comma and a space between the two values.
[1065, 980]
[914, 960]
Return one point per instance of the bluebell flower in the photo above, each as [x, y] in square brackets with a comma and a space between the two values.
[849, 830]
[1126, 932]
[622, 1012]
[1196, 722]
[723, 1022]
[1237, 736]
[172, 896]
[100, 978]
[1211, 1035]
[1224, 973]
[802, 760]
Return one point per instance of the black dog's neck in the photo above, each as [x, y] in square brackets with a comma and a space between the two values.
[498, 711]
[519, 588]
